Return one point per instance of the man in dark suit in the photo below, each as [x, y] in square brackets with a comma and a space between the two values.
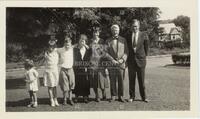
[138, 50]
[117, 53]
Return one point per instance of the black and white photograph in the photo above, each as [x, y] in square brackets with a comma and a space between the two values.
[84, 58]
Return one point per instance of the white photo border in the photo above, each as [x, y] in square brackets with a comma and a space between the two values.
[194, 84]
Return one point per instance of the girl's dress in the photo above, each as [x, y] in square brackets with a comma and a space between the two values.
[32, 75]
[51, 75]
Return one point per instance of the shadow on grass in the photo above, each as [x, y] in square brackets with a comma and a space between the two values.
[41, 101]
[177, 65]
[18, 83]
[25, 102]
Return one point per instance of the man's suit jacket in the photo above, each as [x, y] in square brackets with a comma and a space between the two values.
[142, 46]
[117, 52]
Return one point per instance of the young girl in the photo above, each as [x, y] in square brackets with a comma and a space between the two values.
[31, 80]
[51, 72]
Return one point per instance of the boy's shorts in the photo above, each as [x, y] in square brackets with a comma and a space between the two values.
[66, 79]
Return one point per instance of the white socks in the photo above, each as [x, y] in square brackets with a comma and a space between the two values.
[35, 104]
[54, 102]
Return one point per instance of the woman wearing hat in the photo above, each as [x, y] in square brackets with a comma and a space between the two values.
[98, 72]
[51, 71]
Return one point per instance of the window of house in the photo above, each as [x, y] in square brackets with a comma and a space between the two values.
[173, 37]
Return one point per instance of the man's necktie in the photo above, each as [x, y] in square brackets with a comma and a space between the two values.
[134, 41]
[116, 44]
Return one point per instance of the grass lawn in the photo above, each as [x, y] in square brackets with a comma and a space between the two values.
[168, 88]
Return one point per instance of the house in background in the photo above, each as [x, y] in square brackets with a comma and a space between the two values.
[169, 34]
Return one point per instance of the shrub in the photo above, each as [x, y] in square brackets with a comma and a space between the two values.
[14, 52]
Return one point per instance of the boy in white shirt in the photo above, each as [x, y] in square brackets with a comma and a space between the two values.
[66, 77]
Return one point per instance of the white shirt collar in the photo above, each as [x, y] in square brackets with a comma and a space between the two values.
[82, 51]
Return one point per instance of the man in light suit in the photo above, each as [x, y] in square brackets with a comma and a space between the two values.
[138, 50]
[117, 53]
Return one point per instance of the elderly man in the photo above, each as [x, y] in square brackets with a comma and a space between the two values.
[138, 50]
[117, 53]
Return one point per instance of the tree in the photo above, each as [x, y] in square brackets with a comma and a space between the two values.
[184, 23]
[31, 27]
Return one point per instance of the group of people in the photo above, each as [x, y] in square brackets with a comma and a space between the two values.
[92, 64]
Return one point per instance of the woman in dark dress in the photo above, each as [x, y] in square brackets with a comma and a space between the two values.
[81, 58]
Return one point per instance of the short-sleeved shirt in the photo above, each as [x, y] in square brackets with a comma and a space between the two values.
[66, 57]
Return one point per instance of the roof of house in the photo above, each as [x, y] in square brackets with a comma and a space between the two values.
[167, 27]
[175, 30]
[170, 28]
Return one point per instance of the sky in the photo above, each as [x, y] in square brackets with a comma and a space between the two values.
[171, 12]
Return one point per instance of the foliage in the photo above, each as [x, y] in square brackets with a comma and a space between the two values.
[184, 23]
[31, 27]
[14, 52]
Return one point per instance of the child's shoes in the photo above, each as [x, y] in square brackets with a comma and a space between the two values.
[56, 102]
[35, 104]
[71, 102]
[52, 103]
[64, 102]
[30, 105]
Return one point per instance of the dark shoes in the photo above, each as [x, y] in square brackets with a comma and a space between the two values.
[145, 100]
[104, 98]
[112, 99]
[85, 100]
[70, 102]
[64, 102]
[121, 99]
[98, 100]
